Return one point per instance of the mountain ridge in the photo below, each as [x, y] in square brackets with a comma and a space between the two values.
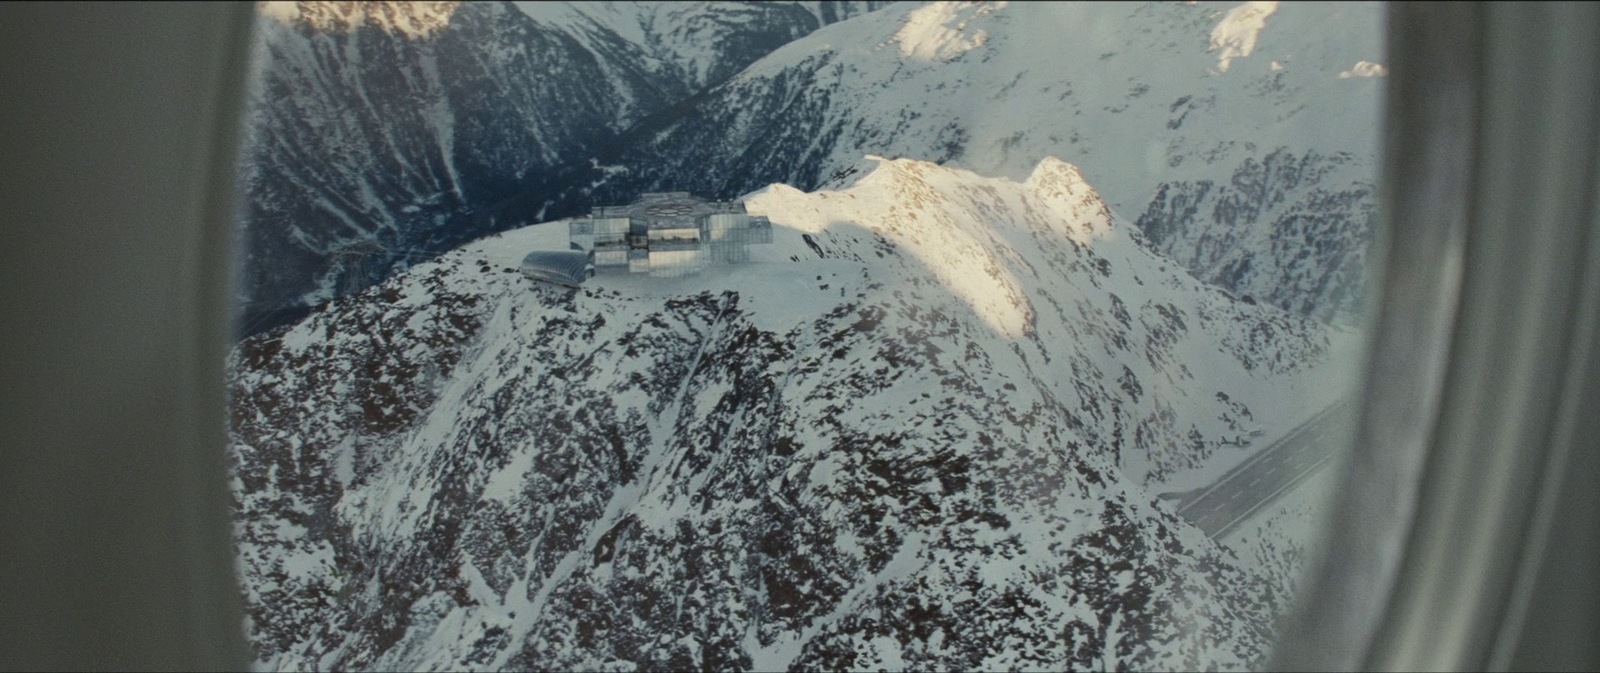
[970, 84]
[842, 455]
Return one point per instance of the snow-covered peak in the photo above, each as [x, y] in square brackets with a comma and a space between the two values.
[1235, 35]
[1125, 91]
[1054, 184]
[939, 31]
[414, 20]
[1063, 186]
[282, 11]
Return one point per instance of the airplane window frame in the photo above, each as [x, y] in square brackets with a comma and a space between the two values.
[1444, 351]
[1483, 360]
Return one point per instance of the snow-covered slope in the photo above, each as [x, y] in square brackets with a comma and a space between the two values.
[1235, 135]
[381, 132]
[923, 430]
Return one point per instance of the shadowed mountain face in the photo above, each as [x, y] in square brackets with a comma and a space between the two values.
[1275, 231]
[382, 134]
[920, 430]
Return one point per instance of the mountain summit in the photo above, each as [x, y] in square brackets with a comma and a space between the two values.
[921, 429]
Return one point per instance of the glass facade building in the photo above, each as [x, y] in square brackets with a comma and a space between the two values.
[668, 234]
[563, 267]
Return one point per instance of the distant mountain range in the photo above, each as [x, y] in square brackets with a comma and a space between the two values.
[382, 135]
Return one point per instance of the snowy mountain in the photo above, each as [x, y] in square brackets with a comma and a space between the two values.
[923, 430]
[383, 133]
[1237, 136]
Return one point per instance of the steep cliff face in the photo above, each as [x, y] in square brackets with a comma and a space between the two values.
[1151, 99]
[383, 133]
[921, 430]
[1276, 232]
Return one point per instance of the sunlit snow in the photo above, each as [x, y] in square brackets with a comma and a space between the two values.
[1235, 36]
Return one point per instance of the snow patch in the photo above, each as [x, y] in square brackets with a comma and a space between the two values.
[940, 31]
[282, 11]
[1365, 69]
[415, 20]
[1235, 36]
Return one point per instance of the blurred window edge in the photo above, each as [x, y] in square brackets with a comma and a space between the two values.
[1467, 497]
[122, 125]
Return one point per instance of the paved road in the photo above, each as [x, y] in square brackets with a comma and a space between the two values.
[1261, 479]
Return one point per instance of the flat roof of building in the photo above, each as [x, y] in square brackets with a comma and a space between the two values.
[669, 210]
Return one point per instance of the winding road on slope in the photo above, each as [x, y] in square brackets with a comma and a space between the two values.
[1264, 477]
